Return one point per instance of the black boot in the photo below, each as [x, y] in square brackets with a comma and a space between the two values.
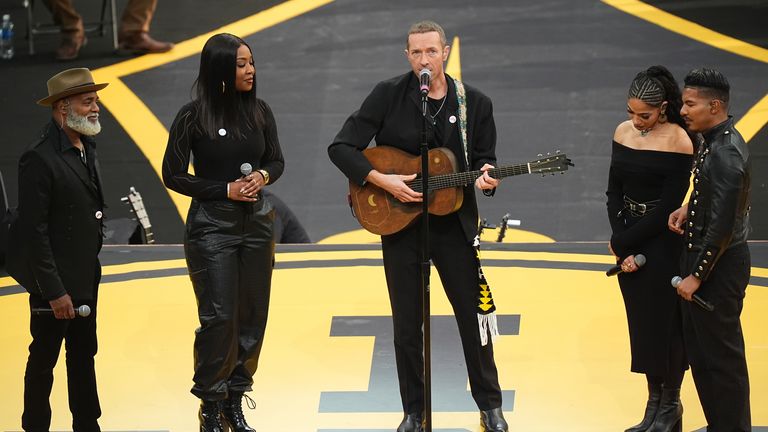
[493, 421]
[411, 423]
[209, 416]
[654, 397]
[670, 415]
[232, 412]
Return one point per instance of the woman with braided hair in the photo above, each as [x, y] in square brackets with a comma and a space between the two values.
[650, 167]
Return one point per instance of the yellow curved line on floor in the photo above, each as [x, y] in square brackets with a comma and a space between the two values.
[754, 120]
[361, 236]
[757, 116]
[453, 66]
[689, 29]
[137, 119]
[117, 269]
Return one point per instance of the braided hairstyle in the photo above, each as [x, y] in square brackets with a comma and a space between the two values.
[656, 85]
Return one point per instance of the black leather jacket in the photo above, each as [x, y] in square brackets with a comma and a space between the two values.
[718, 210]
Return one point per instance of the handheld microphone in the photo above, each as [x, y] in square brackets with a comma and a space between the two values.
[424, 77]
[81, 311]
[677, 280]
[246, 169]
[613, 271]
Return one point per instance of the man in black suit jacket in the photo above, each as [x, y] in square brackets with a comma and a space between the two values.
[392, 115]
[54, 247]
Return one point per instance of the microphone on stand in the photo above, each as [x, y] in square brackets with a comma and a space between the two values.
[81, 311]
[677, 280]
[613, 271]
[424, 77]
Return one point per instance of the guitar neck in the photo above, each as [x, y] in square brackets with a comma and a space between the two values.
[465, 178]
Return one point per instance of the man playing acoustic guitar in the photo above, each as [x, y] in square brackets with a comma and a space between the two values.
[461, 120]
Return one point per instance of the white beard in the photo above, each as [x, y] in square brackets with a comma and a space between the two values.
[81, 124]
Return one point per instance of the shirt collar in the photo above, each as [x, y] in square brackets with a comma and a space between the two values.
[711, 134]
[65, 144]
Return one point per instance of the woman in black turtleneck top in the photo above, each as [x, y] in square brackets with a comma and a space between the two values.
[228, 241]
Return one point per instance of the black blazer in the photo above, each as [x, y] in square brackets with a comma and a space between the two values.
[55, 242]
[392, 115]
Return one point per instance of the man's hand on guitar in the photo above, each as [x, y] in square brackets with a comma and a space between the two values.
[485, 181]
[395, 185]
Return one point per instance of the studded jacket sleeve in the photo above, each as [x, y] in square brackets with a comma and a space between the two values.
[721, 218]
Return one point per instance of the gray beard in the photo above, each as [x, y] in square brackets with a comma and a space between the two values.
[81, 124]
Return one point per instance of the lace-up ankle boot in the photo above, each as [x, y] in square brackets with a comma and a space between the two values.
[232, 412]
[209, 416]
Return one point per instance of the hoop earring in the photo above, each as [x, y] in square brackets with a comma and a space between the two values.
[223, 87]
[663, 117]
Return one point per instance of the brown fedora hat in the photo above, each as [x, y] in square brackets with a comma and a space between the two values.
[68, 83]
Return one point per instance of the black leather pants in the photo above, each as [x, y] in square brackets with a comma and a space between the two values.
[230, 255]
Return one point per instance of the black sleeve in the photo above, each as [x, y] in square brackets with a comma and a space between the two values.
[272, 161]
[176, 161]
[356, 134]
[484, 136]
[654, 223]
[35, 189]
[728, 176]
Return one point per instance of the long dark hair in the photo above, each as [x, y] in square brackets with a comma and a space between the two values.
[655, 86]
[220, 104]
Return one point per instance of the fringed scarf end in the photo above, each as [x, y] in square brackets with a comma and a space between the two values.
[488, 324]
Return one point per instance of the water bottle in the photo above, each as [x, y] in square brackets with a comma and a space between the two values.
[6, 38]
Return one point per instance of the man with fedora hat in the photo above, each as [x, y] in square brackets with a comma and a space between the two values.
[54, 245]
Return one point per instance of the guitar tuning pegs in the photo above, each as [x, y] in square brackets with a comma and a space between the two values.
[539, 155]
[557, 152]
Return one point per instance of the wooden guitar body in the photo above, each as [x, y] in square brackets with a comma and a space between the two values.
[381, 213]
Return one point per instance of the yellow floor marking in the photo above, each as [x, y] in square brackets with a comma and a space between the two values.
[143, 266]
[362, 236]
[754, 120]
[138, 120]
[760, 272]
[453, 67]
[689, 29]
[757, 116]
[571, 356]
[245, 27]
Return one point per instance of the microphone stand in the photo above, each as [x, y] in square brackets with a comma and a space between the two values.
[425, 264]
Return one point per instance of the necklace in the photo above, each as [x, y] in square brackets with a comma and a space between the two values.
[645, 132]
[438, 110]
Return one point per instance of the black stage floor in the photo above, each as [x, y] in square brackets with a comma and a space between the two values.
[557, 72]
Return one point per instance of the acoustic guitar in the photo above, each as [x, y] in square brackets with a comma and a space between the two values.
[380, 213]
[137, 207]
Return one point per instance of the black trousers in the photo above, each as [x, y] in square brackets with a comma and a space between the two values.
[715, 344]
[455, 261]
[79, 336]
[230, 255]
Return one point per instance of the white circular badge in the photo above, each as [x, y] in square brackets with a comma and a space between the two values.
[452, 119]
[222, 132]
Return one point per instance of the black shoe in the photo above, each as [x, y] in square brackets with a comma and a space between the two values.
[670, 415]
[654, 397]
[411, 423]
[493, 421]
[210, 416]
[232, 412]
